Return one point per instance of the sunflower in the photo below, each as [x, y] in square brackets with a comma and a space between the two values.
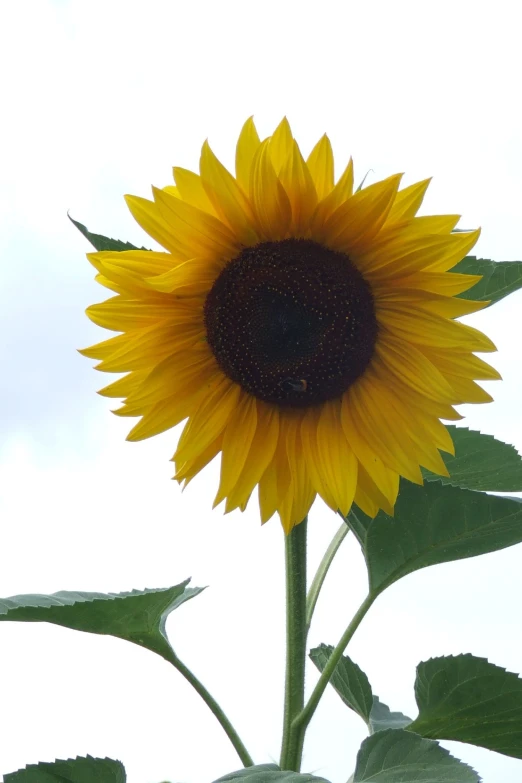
[305, 331]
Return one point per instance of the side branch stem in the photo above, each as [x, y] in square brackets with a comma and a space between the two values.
[214, 707]
[324, 565]
[295, 564]
[302, 720]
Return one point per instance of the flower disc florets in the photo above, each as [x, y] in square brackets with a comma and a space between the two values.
[292, 322]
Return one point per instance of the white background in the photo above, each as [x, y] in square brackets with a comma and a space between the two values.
[101, 99]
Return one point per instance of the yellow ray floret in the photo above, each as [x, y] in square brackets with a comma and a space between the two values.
[192, 346]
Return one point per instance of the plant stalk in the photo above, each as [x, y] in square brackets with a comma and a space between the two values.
[295, 565]
[214, 707]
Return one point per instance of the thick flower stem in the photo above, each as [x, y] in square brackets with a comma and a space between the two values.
[301, 721]
[214, 707]
[295, 562]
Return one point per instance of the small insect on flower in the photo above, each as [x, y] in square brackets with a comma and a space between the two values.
[293, 384]
[304, 331]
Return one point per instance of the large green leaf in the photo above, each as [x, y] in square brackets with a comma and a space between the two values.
[269, 773]
[480, 463]
[499, 278]
[398, 756]
[138, 616]
[350, 682]
[78, 770]
[434, 524]
[100, 242]
[468, 699]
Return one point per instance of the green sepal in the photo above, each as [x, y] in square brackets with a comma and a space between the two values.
[353, 686]
[79, 770]
[399, 756]
[99, 242]
[433, 524]
[481, 462]
[138, 616]
[270, 773]
[499, 278]
[468, 699]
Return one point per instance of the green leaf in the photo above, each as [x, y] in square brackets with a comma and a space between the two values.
[138, 616]
[499, 278]
[381, 717]
[350, 682]
[480, 463]
[100, 242]
[398, 756]
[353, 686]
[435, 524]
[269, 773]
[468, 699]
[78, 770]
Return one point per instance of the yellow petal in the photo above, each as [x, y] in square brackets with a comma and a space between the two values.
[465, 364]
[300, 495]
[190, 469]
[270, 203]
[447, 307]
[300, 189]
[373, 413]
[355, 223]
[203, 234]
[407, 201]
[368, 496]
[262, 450]
[161, 417]
[209, 420]
[275, 481]
[433, 330]
[312, 456]
[386, 479]
[342, 191]
[280, 145]
[320, 164]
[337, 461]
[467, 390]
[124, 386]
[191, 190]
[149, 217]
[237, 440]
[227, 197]
[413, 368]
[246, 149]
[120, 315]
[445, 283]
[138, 263]
[192, 278]
[176, 374]
[151, 346]
[433, 253]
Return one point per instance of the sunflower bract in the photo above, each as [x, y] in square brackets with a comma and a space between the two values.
[304, 331]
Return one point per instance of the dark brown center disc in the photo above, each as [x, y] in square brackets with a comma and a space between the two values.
[292, 322]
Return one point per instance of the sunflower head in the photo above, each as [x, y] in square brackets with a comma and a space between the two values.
[304, 331]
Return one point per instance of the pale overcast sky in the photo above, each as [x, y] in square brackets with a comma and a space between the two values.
[102, 98]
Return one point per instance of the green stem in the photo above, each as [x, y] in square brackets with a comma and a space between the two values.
[214, 707]
[324, 565]
[302, 720]
[295, 563]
